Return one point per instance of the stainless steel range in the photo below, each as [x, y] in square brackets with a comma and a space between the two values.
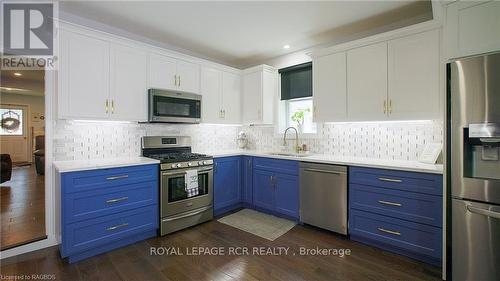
[186, 182]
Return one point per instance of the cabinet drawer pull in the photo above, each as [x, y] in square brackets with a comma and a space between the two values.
[116, 200]
[390, 180]
[117, 177]
[389, 203]
[111, 228]
[389, 231]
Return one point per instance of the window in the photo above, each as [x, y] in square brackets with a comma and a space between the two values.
[299, 115]
[296, 95]
[12, 122]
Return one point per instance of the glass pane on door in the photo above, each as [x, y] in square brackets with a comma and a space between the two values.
[12, 122]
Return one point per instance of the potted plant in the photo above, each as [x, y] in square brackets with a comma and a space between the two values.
[298, 117]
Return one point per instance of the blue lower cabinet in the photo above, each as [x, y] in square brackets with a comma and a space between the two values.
[287, 195]
[397, 211]
[247, 185]
[276, 187]
[104, 209]
[227, 184]
[415, 240]
[263, 189]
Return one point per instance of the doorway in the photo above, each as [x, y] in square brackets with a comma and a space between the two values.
[22, 149]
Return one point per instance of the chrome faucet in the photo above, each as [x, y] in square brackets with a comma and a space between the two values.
[297, 147]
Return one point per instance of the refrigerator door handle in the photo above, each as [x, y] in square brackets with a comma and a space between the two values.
[483, 212]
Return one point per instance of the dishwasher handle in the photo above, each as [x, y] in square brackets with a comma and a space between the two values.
[324, 171]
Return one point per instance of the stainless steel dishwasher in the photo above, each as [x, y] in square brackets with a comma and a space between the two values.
[323, 196]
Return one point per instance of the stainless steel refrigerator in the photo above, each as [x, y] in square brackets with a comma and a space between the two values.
[473, 130]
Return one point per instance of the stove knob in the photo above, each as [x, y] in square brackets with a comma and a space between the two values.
[205, 162]
[173, 165]
[179, 165]
[190, 164]
[200, 163]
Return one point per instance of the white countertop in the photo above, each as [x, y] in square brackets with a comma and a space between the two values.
[92, 164]
[411, 166]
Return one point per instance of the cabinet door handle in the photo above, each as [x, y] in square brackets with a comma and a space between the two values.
[390, 203]
[179, 81]
[390, 106]
[112, 106]
[390, 180]
[389, 231]
[116, 200]
[175, 80]
[385, 106]
[111, 228]
[106, 105]
[117, 177]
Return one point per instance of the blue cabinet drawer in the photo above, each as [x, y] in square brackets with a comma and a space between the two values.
[276, 165]
[406, 181]
[94, 203]
[416, 207]
[410, 238]
[105, 178]
[97, 232]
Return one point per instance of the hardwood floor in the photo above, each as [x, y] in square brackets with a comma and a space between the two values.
[22, 207]
[135, 262]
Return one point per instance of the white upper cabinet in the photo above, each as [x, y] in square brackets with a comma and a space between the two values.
[330, 88]
[128, 95]
[162, 72]
[172, 74]
[84, 77]
[413, 69]
[367, 82]
[231, 98]
[260, 88]
[472, 27]
[221, 93]
[188, 76]
[211, 91]
[252, 99]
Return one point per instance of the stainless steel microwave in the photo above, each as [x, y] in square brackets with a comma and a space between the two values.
[173, 107]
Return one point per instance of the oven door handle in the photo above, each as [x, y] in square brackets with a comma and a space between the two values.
[199, 211]
[184, 171]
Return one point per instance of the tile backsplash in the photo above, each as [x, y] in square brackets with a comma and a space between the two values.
[76, 140]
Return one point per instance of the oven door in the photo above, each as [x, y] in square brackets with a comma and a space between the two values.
[174, 198]
[165, 106]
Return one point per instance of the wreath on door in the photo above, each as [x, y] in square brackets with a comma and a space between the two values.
[10, 121]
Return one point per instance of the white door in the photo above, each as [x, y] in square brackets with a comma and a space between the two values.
[330, 88]
[414, 77]
[188, 77]
[231, 98]
[162, 72]
[252, 97]
[128, 84]
[15, 138]
[84, 77]
[211, 91]
[367, 83]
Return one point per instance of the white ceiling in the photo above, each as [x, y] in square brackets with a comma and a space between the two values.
[236, 33]
[31, 82]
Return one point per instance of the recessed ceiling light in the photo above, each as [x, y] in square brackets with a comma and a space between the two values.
[286, 47]
[13, 89]
[17, 74]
